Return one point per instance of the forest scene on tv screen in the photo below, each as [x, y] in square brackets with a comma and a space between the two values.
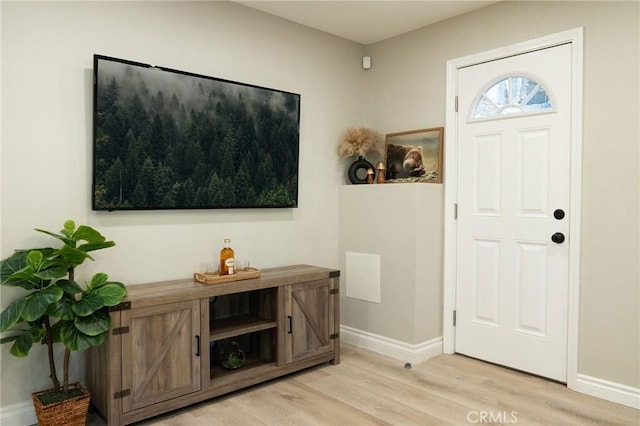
[166, 139]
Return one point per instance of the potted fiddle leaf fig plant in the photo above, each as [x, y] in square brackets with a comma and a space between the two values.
[56, 309]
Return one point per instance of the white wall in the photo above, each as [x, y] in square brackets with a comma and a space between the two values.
[407, 91]
[47, 54]
[402, 225]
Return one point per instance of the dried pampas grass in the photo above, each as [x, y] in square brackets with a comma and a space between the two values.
[358, 141]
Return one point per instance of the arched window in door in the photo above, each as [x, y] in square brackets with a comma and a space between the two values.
[515, 94]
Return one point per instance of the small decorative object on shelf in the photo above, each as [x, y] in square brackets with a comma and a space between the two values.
[358, 171]
[381, 171]
[232, 357]
[226, 259]
[242, 265]
[358, 141]
[370, 175]
[215, 278]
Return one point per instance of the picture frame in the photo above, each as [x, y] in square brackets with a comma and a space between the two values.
[414, 156]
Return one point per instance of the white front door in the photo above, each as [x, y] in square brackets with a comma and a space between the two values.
[513, 163]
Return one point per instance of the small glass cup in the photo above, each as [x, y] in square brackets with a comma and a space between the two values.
[209, 268]
[242, 265]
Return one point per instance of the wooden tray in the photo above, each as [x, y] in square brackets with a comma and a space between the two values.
[214, 278]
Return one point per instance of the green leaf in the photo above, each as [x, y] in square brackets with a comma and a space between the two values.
[96, 246]
[16, 272]
[8, 339]
[88, 304]
[70, 236]
[112, 293]
[23, 341]
[73, 256]
[69, 287]
[21, 345]
[47, 252]
[62, 238]
[75, 340]
[69, 227]
[88, 234]
[12, 264]
[35, 259]
[51, 273]
[54, 261]
[38, 302]
[62, 309]
[97, 280]
[12, 314]
[56, 329]
[97, 323]
[25, 278]
[34, 330]
[37, 332]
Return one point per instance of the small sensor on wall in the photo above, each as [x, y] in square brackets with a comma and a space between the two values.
[366, 62]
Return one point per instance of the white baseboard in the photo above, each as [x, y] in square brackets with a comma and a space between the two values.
[18, 414]
[611, 391]
[402, 351]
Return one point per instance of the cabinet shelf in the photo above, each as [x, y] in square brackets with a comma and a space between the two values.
[252, 364]
[236, 326]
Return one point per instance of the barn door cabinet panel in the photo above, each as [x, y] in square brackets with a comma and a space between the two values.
[168, 339]
[311, 319]
[160, 353]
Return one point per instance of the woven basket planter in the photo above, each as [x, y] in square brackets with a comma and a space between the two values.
[70, 412]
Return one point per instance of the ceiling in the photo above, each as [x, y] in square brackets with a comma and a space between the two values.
[366, 21]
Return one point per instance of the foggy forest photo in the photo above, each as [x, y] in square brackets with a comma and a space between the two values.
[166, 139]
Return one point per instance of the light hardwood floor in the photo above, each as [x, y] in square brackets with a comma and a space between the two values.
[371, 389]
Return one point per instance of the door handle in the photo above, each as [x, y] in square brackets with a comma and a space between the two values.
[290, 324]
[558, 238]
[197, 345]
[558, 214]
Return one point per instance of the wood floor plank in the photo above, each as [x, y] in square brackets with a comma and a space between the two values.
[311, 406]
[371, 389]
[542, 398]
[372, 396]
[403, 391]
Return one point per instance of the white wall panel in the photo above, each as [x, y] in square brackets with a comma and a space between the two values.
[486, 286]
[487, 157]
[533, 267]
[533, 166]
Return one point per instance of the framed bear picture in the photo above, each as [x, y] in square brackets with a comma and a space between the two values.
[414, 156]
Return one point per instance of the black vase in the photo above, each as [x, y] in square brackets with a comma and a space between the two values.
[354, 171]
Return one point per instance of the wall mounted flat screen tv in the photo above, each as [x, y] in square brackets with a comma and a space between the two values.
[169, 139]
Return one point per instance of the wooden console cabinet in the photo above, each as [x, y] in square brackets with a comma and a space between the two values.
[163, 351]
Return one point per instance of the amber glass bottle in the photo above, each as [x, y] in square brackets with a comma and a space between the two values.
[227, 259]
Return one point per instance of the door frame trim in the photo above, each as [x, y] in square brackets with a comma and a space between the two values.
[576, 38]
